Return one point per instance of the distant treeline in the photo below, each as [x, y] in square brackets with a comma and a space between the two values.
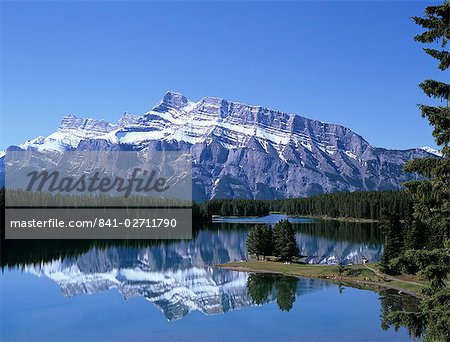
[364, 205]
[46, 199]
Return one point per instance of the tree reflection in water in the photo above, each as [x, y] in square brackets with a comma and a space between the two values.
[391, 302]
[265, 287]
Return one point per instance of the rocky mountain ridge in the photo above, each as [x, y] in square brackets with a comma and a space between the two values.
[243, 151]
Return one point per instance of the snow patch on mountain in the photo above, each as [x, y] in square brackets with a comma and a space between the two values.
[432, 151]
[176, 118]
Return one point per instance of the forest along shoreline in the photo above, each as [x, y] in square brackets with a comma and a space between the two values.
[219, 218]
[364, 207]
[343, 219]
[352, 275]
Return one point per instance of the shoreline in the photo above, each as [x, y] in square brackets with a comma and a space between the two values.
[314, 217]
[342, 219]
[362, 275]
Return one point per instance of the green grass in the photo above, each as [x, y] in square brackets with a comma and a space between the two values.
[304, 270]
[353, 273]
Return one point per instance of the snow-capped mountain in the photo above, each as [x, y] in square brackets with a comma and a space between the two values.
[243, 151]
[432, 151]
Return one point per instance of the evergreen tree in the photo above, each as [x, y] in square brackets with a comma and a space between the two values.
[432, 196]
[393, 234]
[434, 311]
[284, 241]
[429, 229]
[260, 241]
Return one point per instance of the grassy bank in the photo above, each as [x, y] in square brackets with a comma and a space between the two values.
[355, 274]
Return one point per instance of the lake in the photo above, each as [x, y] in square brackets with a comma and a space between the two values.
[169, 291]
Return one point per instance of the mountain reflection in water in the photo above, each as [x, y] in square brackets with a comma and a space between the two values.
[178, 277]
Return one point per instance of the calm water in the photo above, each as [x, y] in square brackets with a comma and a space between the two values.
[168, 291]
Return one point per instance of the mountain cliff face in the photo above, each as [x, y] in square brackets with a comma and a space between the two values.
[243, 151]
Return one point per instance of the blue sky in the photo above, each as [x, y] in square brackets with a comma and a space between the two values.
[352, 63]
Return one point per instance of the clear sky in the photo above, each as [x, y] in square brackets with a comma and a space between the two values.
[352, 63]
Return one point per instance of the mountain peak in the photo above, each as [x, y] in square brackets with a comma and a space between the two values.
[175, 99]
[70, 121]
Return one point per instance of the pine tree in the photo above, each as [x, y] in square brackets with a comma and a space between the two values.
[260, 241]
[267, 241]
[393, 233]
[431, 197]
[285, 243]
